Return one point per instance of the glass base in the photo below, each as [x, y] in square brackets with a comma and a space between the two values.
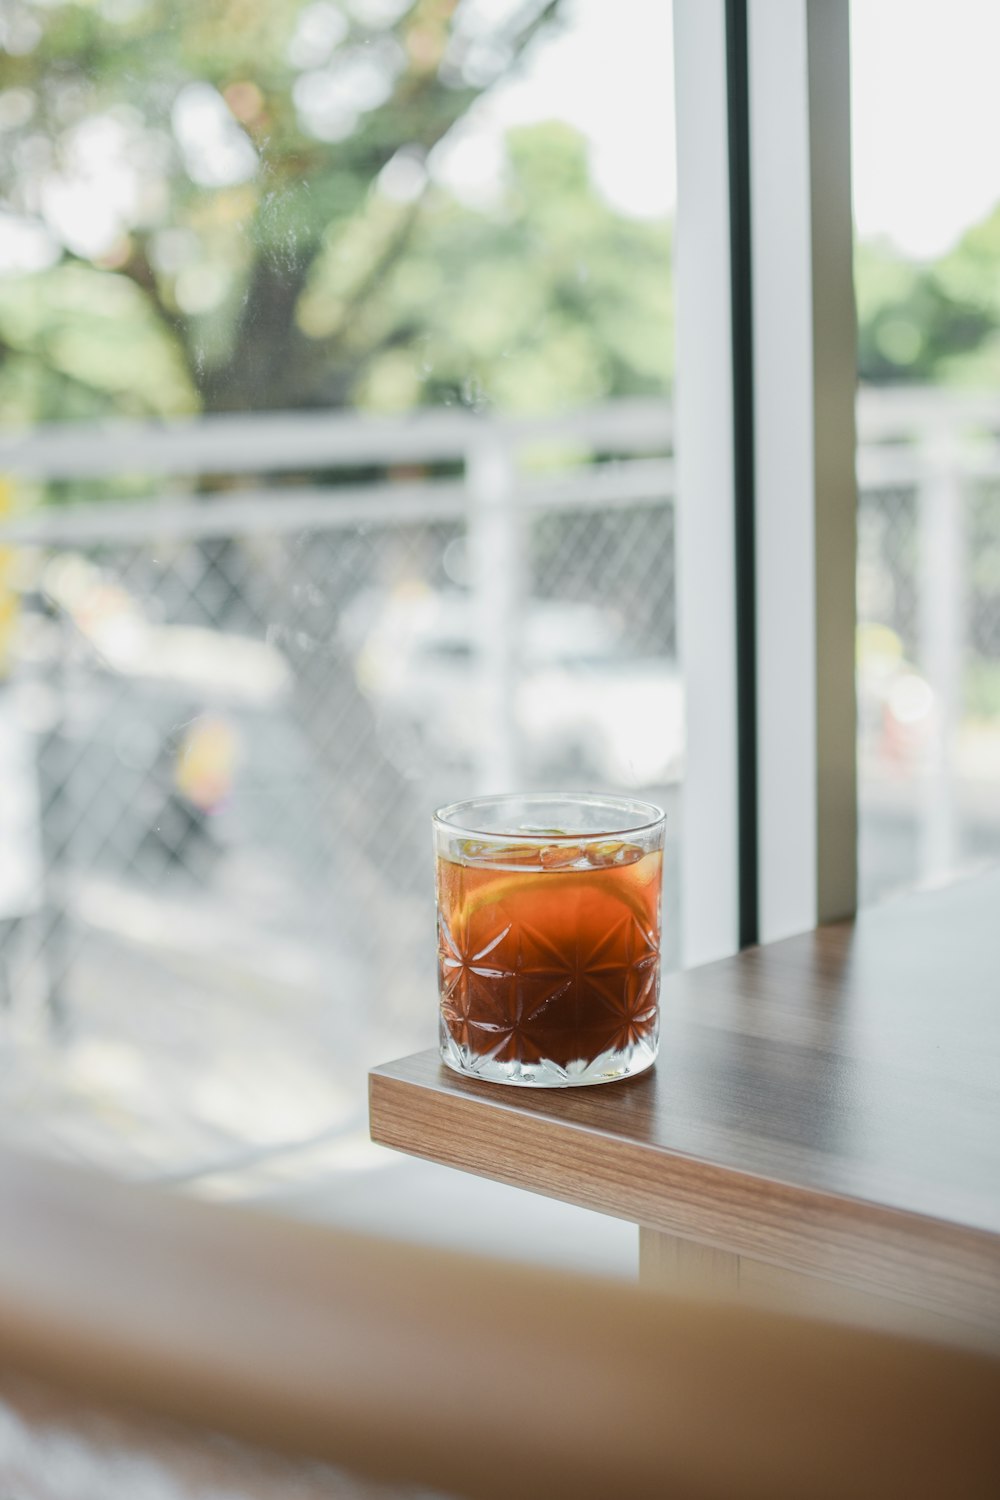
[609, 1067]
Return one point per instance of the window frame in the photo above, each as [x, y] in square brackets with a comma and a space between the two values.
[766, 359]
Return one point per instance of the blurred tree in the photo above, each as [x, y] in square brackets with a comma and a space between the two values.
[224, 205]
[967, 283]
[207, 154]
[938, 322]
[547, 298]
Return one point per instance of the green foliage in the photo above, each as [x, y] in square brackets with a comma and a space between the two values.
[279, 269]
[936, 323]
[551, 299]
[246, 135]
[981, 696]
[95, 331]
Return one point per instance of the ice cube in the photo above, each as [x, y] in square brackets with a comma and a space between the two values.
[612, 852]
[479, 852]
[561, 856]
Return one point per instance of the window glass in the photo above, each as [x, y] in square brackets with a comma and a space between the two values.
[927, 271]
[336, 360]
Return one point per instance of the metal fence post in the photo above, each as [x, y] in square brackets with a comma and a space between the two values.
[941, 643]
[495, 557]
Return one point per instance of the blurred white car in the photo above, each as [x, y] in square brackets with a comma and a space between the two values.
[580, 699]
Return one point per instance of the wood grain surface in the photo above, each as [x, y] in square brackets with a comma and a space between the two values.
[830, 1104]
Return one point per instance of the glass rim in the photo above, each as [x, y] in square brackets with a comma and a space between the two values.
[443, 818]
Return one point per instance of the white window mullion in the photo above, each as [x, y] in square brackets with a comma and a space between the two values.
[804, 382]
[705, 512]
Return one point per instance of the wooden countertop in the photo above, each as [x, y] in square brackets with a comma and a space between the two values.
[830, 1104]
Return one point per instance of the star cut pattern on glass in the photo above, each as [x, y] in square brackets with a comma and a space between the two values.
[513, 994]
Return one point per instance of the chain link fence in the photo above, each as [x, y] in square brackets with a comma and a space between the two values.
[233, 735]
[929, 660]
[228, 718]
[888, 574]
[983, 697]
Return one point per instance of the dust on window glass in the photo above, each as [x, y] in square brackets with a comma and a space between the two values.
[336, 364]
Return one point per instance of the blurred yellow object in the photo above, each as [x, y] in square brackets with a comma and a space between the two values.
[206, 762]
[879, 643]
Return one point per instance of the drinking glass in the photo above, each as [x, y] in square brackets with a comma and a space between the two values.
[548, 918]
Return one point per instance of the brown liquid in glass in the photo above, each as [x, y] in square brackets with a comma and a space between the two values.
[550, 954]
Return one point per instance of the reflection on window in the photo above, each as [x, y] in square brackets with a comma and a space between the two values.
[404, 276]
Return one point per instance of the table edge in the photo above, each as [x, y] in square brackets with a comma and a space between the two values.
[886, 1248]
